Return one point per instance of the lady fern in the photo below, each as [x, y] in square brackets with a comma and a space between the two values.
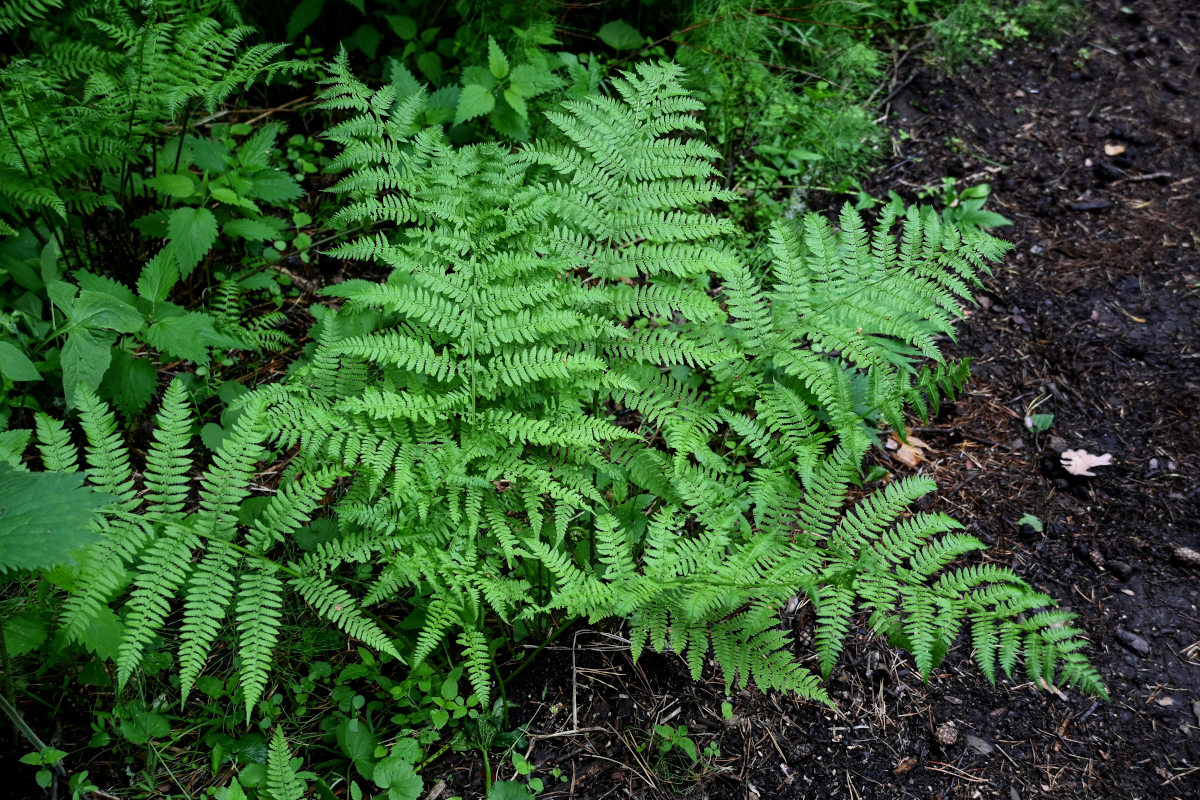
[201, 553]
[472, 395]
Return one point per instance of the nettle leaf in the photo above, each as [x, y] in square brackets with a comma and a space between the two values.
[158, 277]
[230, 198]
[130, 381]
[15, 365]
[474, 101]
[497, 61]
[101, 310]
[273, 187]
[178, 185]
[85, 358]
[256, 230]
[517, 102]
[402, 26]
[620, 35]
[45, 518]
[304, 14]
[192, 232]
[181, 336]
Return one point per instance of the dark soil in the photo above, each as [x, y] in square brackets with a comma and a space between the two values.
[1092, 148]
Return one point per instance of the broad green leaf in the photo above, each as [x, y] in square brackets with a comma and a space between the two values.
[358, 742]
[620, 35]
[497, 61]
[15, 365]
[99, 310]
[130, 381]
[85, 358]
[305, 14]
[230, 198]
[24, 633]
[158, 277]
[105, 285]
[256, 230]
[178, 185]
[402, 26]
[182, 336]
[397, 776]
[192, 232]
[142, 725]
[62, 294]
[509, 790]
[46, 516]
[517, 102]
[273, 187]
[430, 63]
[475, 101]
[403, 81]
[13, 445]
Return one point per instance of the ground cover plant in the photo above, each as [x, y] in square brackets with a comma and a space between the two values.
[556, 382]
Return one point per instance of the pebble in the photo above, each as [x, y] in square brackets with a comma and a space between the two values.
[1134, 642]
[1187, 555]
[980, 746]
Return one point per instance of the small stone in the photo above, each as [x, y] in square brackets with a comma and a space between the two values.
[1187, 555]
[1120, 569]
[946, 734]
[980, 746]
[1132, 641]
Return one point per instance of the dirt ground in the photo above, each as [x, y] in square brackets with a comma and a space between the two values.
[1092, 148]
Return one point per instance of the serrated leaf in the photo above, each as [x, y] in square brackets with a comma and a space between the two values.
[181, 336]
[509, 790]
[358, 742]
[94, 309]
[130, 381]
[178, 185]
[403, 81]
[474, 101]
[497, 61]
[158, 277]
[256, 230]
[273, 186]
[430, 63]
[517, 102]
[192, 232]
[620, 35]
[397, 775]
[231, 198]
[46, 516]
[15, 365]
[24, 633]
[305, 14]
[402, 26]
[85, 358]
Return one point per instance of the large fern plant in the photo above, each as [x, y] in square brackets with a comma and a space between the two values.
[573, 396]
[574, 393]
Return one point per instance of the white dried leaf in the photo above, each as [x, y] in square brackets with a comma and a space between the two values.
[1080, 462]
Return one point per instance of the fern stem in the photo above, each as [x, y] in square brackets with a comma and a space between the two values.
[549, 640]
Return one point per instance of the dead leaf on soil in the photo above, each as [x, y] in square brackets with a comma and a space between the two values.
[905, 765]
[1114, 149]
[909, 454]
[1080, 462]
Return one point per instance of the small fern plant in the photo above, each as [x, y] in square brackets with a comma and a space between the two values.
[574, 393]
[168, 536]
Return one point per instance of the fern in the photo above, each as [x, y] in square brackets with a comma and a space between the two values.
[534, 297]
[196, 553]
